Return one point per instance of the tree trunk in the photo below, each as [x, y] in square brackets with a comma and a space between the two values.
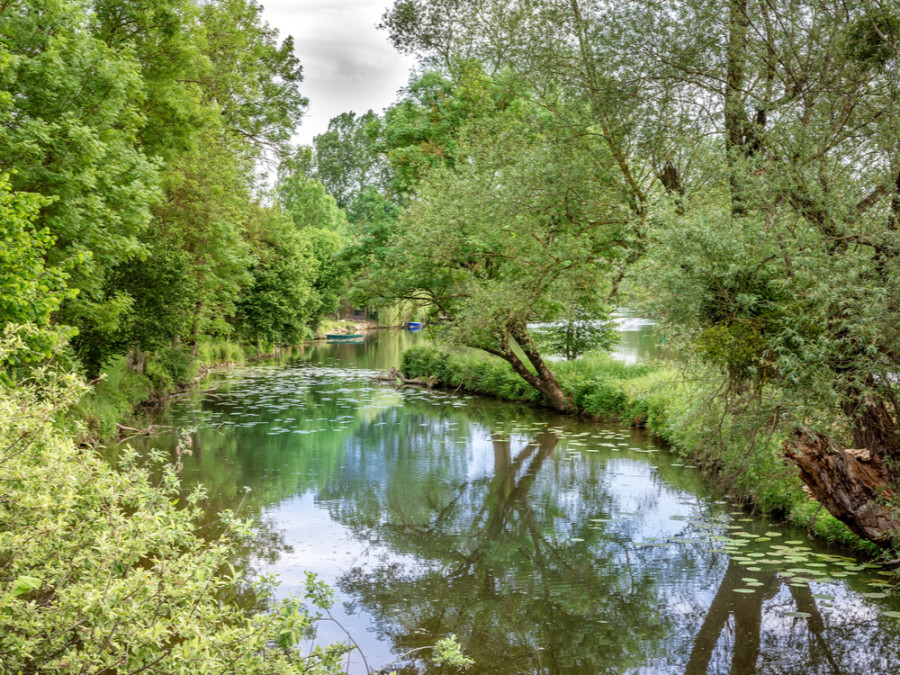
[735, 115]
[855, 485]
[546, 384]
[543, 379]
[195, 328]
[135, 360]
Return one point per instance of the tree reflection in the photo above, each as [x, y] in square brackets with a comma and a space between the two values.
[503, 540]
[498, 575]
[747, 611]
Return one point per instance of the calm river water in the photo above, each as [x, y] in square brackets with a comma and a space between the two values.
[546, 544]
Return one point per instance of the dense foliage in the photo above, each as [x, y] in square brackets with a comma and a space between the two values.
[753, 148]
[133, 223]
[103, 569]
[137, 128]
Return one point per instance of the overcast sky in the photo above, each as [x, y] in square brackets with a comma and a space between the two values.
[347, 63]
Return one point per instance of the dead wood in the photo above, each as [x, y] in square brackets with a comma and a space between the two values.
[854, 485]
[394, 375]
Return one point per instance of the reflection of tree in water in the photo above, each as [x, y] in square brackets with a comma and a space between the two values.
[500, 566]
[747, 612]
[497, 575]
[748, 633]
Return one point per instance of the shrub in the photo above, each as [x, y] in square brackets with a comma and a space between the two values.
[102, 571]
[220, 351]
[169, 368]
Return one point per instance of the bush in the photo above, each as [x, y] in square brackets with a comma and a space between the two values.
[103, 571]
[422, 361]
[220, 351]
[169, 368]
[596, 384]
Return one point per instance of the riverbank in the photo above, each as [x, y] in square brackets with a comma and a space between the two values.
[123, 394]
[742, 460]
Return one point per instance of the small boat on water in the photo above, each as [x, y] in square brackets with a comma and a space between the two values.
[344, 337]
[415, 325]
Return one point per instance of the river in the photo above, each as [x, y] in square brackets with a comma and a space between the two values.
[547, 544]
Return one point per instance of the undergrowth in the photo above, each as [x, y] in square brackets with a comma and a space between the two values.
[120, 390]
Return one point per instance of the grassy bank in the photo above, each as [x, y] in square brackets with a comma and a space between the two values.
[738, 452]
[120, 391]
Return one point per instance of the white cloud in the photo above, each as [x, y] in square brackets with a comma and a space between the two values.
[348, 64]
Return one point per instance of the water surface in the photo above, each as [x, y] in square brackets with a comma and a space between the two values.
[546, 544]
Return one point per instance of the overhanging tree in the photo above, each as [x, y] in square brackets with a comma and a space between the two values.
[526, 220]
[772, 128]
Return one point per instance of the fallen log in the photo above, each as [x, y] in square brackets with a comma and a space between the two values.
[393, 375]
[152, 430]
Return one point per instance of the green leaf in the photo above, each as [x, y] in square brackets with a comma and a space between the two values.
[24, 584]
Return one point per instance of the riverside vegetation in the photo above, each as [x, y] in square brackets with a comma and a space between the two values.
[731, 169]
[743, 459]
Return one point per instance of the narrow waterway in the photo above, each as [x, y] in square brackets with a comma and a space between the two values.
[546, 544]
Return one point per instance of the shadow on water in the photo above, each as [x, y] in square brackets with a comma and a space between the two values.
[547, 544]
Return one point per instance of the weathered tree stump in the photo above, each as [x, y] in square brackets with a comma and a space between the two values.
[854, 485]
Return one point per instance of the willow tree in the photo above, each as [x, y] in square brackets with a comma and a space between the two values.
[788, 279]
[523, 225]
[772, 127]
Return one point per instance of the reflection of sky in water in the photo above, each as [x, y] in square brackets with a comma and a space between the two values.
[322, 546]
[638, 341]
[346, 471]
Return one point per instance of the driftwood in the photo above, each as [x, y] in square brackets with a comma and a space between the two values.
[854, 485]
[394, 375]
[190, 391]
[152, 430]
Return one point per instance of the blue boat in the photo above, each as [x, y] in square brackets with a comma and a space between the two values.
[415, 325]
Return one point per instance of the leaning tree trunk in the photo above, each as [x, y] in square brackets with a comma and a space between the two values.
[541, 377]
[858, 486]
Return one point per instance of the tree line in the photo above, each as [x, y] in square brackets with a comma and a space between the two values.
[133, 138]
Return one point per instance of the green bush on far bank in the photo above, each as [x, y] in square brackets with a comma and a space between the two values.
[600, 386]
[738, 452]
